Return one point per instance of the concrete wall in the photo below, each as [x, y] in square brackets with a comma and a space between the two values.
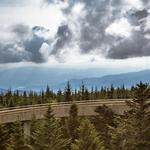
[59, 110]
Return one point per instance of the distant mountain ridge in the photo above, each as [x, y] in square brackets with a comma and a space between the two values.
[127, 79]
[28, 79]
[3, 90]
[37, 78]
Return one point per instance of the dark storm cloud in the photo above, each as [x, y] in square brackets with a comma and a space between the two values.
[98, 16]
[141, 14]
[26, 46]
[145, 2]
[101, 14]
[136, 46]
[20, 29]
[135, 17]
[63, 38]
[94, 24]
[9, 53]
[33, 46]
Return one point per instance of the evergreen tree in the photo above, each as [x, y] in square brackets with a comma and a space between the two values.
[103, 93]
[59, 96]
[73, 122]
[4, 138]
[133, 131]
[35, 124]
[86, 94]
[48, 94]
[82, 91]
[111, 92]
[96, 93]
[79, 96]
[18, 137]
[26, 147]
[68, 92]
[88, 138]
[92, 94]
[42, 97]
[123, 93]
[75, 95]
[139, 117]
[49, 136]
[103, 121]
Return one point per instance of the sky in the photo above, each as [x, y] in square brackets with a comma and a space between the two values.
[75, 33]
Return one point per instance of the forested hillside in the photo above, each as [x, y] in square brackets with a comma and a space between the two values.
[21, 98]
[35, 79]
[106, 131]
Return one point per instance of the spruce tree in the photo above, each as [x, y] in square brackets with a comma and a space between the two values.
[86, 94]
[27, 147]
[18, 137]
[92, 94]
[96, 93]
[73, 122]
[88, 138]
[111, 92]
[35, 124]
[49, 136]
[48, 94]
[4, 138]
[82, 91]
[68, 92]
[103, 121]
[59, 96]
[133, 131]
[139, 117]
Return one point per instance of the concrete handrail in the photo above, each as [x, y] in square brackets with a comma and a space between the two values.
[63, 103]
[85, 108]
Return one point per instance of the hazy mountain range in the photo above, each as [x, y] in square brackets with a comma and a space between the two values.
[126, 79]
[38, 78]
[35, 78]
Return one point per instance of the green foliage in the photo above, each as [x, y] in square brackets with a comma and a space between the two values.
[12, 99]
[35, 124]
[130, 131]
[17, 140]
[26, 147]
[4, 138]
[133, 131]
[103, 121]
[88, 138]
[49, 136]
[73, 123]
[68, 92]
[60, 96]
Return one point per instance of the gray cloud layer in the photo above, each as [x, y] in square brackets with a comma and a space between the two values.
[94, 25]
[8, 54]
[63, 37]
[26, 46]
[99, 15]
[137, 45]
